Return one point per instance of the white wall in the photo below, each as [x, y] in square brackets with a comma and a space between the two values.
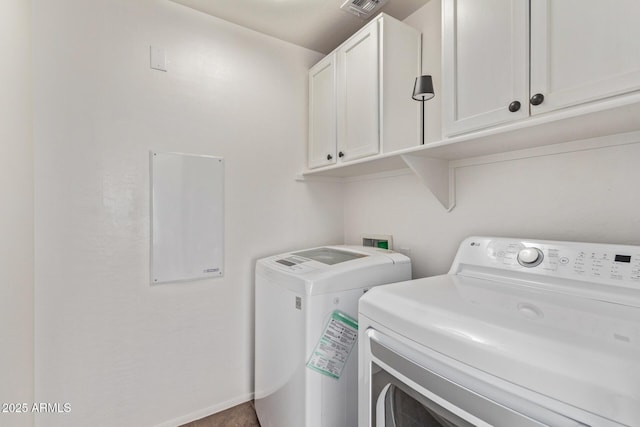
[120, 351]
[16, 211]
[582, 196]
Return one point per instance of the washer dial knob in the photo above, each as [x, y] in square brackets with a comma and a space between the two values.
[530, 257]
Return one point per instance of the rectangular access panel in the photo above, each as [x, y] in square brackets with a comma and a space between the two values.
[187, 217]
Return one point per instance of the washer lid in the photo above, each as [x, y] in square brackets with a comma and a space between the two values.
[329, 255]
[580, 351]
[331, 269]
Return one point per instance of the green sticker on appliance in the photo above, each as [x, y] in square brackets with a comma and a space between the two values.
[334, 346]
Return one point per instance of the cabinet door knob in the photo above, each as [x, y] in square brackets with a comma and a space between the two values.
[340, 154]
[537, 99]
[329, 157]
[514, 106]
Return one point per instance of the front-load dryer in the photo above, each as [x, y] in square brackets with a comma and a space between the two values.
[306, 361]
[518, 333]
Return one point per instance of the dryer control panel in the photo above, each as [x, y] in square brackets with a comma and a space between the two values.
[600, 263]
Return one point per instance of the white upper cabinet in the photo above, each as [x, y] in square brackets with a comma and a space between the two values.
[400, 64]
[322, 112]
[551, 75]
[485, 63]
[583, 50]
[360, 95]
[504, 60]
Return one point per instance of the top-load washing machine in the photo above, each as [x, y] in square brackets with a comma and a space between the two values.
[518, 333]
[306, 361]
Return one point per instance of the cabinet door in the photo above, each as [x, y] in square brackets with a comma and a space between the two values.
[358, 95]
[485, 63]
[400, 115]
[322, 113]
[583, 50]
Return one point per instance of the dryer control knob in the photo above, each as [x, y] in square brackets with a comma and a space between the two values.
[530, 257]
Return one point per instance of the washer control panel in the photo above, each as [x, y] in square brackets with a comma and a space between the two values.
[602, 263]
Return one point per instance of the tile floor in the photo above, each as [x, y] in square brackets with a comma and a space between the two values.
[239, 416]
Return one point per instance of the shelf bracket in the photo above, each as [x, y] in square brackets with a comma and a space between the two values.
[437, 175]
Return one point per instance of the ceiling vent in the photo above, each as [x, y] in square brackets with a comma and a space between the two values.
[362, 8]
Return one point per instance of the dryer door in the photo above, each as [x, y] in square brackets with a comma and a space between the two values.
[400, 406]
[410, 389]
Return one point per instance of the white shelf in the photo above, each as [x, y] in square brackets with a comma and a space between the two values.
[432, 161]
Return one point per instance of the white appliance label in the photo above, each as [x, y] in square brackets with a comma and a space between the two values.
[334, 346]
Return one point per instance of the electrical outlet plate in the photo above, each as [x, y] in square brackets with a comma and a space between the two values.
[158, 58]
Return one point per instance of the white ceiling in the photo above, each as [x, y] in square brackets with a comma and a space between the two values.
[319, 25]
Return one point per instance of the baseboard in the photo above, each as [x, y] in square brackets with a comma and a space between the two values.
[205, 412]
